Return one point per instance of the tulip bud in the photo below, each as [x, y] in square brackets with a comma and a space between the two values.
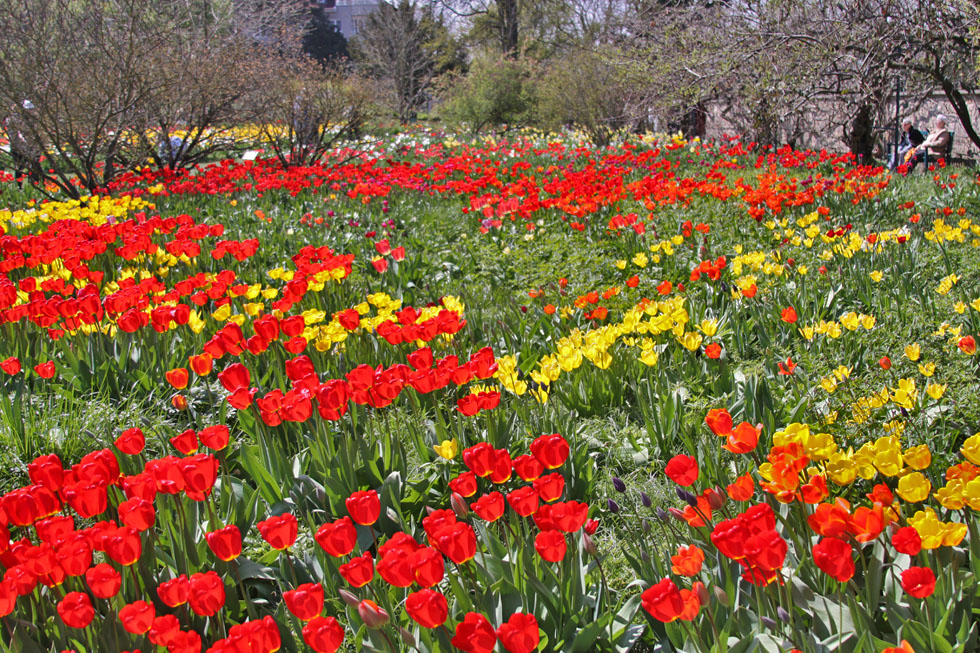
[676, 514]
[372, 614]
[589, 545]
[885, 362]
[179, 402]
[612, 505]
[686, 496]
[782, 614]
[716, 498]
[459, 505]
[349, 598]
[646, 525]
[769, 622]
[408, 637]
[645, 557]
[721, 596]
[647, 503]
[591, 526]
[662, 515]
[430, 509]
[618, 484]
[701, 592]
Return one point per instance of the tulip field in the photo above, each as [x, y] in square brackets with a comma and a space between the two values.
[439, 393]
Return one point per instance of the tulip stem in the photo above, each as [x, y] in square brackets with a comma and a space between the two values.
[391, 644]
[241, 588]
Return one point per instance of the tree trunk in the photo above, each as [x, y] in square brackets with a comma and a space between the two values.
[862, 137]
[508, 27]
[962, 110]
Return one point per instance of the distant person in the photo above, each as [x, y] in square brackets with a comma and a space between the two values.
[935, 144]
[911, 138]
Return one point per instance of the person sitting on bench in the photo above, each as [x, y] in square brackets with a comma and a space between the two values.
[911, 138]
[935, 144]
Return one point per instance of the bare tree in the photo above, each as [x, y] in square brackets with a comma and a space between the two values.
[304, 109]
[73, 78]
[97, 87]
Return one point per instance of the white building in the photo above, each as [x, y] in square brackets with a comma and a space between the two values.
[348, 15]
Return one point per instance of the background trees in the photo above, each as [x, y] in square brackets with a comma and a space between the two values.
[406, 47]
[90, 89]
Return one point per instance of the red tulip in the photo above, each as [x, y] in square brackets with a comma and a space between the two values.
[202, 364]
[45, 370]
[174, 592]
[337, 538]
[919, 582]
[394, 566]
[206, 593]
[885, 363]
[279, 531]
[137, 513]
[8, 598]
[225, 543]
[524, 501]
[427, 565]
[520, 633]
[551, 545]
[214, 437]
[185, 442]
[479, 458]
[364, 507]
[907, 540]
[131, 442]
[457, 542]
[235, 377]
[528, 467]
[489, 507]
[359, 571]
[305, 602]
[11, 365]
[427, 608]
[663, 601]
[475, 634]
[137, 617]
[164, 630]
[76, 610]
[788, 315]
[103, 580]
[323, 634]
[47, 471]
[834, 557]
[177, 377]
[968, 345]
[74, 554]
[464, 485]
[550, 450]
[125, 546]
[719, 421]
[549, 488]
[682, 469]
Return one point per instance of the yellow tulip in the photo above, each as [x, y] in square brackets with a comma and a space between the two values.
[447, 449]
[918, 457]
[971, 449]
[914, 487]
[912, 352]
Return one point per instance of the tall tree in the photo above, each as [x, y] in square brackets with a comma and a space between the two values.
[406, 47]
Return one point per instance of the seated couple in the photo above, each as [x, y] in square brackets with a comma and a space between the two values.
[913, 146]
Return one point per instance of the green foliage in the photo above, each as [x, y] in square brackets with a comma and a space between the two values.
[496, 92]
